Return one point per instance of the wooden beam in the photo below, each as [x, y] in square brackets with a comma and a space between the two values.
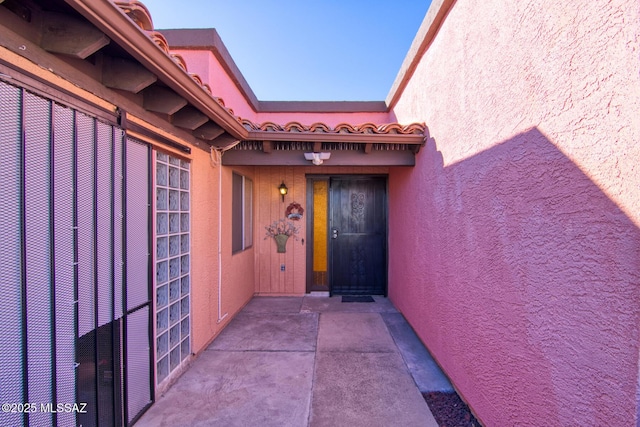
[224, 140]
[367, 148]
[267, 146]
[208, 131]
[189, 118]
[317, 147]
[20, 10]
[120, 73]
[64, 34]
[127, 35]
[162, 100]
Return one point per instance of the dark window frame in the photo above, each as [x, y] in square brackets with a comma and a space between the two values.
[242, 213]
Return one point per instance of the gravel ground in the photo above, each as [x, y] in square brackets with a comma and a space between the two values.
[449, 410]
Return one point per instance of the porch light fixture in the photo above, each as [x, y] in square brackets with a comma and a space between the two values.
[283, 190]
[317, 158]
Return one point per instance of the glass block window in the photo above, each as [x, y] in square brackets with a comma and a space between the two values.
[172, 258]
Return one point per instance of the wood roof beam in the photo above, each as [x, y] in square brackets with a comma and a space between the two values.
[267, 147]
[134, 40]
[189, 118]
[123, 74]
[225, 140]
[162, 100]
[67, 35]
[208, 131]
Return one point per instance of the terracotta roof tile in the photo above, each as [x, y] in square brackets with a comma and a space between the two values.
[365, 128]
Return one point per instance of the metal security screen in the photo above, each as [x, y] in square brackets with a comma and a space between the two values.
[65, 259]
[13, 355]
[37, 251]
[64, 247]
[138, 365]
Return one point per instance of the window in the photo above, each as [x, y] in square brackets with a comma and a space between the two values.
[172, 289]
[242, 211]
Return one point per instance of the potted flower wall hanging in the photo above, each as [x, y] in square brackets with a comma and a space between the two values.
[280, 230]
[281, 242]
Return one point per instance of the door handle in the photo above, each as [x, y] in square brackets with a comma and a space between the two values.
[334, 233]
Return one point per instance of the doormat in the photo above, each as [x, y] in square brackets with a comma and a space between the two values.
[354, 298]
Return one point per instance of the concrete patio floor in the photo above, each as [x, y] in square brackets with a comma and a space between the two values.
[306, 361]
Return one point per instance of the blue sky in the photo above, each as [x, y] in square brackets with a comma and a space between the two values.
[306, 50]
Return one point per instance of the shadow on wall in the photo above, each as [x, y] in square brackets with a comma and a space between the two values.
[522, 281]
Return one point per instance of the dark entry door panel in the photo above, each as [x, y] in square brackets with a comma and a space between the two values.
[358, 236]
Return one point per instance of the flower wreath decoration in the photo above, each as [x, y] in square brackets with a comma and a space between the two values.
[294, 211]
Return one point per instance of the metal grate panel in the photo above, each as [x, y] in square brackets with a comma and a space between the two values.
[61, 263]
[38, 252]
[10, 249]
[64, 249]
[61, 242]
[118, 260]
[85, 212]
[138, 367]
[104, 273]
[104, 205]
[137, 224]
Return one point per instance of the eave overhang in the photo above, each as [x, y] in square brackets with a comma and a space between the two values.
[131, 37]
[111, 49]
[253, 153]
[364, 145]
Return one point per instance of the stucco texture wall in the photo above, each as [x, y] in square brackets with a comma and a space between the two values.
[204, 261]
[514, 242]
[237, 271]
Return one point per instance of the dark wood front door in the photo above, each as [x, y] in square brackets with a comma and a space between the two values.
[358, 235]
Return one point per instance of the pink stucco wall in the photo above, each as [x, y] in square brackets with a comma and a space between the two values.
[215, 302]
[514, 242]
[204, 238]
[206, 65]
[237, 269]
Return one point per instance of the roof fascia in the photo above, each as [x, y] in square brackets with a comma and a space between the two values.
[119, 28]
[427, 32]
[363, 138]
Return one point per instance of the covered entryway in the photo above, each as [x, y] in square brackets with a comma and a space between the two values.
[347, 231]
[329, 185]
